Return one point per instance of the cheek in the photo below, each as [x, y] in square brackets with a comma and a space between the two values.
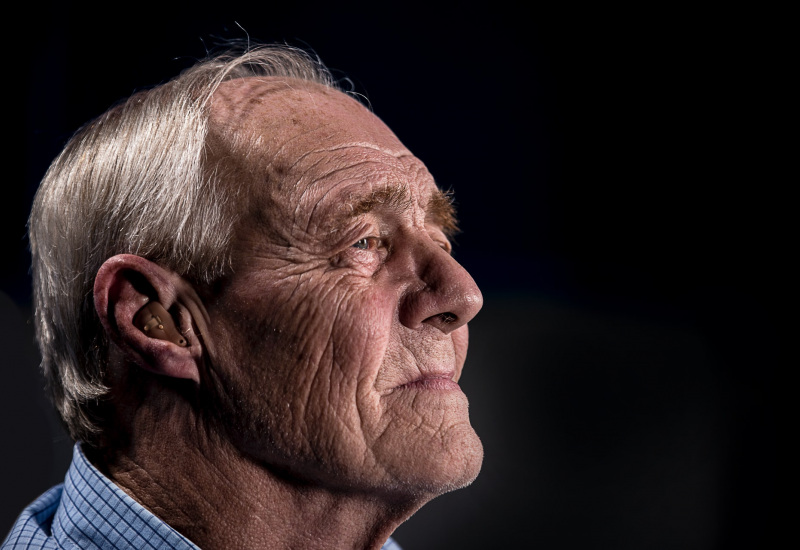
[361, 329]
[460, 345]
[357, 345]
[311, 324]
[302, 360]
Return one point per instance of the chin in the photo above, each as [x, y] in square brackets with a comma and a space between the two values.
[440, 466]
[462, 466]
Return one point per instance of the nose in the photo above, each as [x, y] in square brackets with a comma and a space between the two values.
[444, 294]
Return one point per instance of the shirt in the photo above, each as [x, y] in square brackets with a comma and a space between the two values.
[88, 511]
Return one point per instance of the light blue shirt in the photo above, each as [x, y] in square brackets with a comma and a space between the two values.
[88, 511]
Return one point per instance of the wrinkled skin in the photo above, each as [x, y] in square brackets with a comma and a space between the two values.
[335, 345]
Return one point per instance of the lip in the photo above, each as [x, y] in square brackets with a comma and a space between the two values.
[432, 382]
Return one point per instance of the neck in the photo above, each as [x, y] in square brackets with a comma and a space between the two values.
[219, 498]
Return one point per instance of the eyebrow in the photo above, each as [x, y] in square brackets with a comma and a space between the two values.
[395, 197]
[442, 211]
[439, 210]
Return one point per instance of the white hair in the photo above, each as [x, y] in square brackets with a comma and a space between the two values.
[134, 181]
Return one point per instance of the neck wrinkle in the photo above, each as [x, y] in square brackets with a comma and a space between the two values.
[219, 498]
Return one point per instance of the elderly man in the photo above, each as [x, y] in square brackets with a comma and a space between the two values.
[249, 318]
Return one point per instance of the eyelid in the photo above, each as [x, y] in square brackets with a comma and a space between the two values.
[438, 236]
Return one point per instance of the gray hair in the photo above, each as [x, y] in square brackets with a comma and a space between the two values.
[120, 180]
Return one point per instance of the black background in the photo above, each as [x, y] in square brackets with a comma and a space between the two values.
[620, 177]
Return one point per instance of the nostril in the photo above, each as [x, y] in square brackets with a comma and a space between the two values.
[448, 317]
[444, 321]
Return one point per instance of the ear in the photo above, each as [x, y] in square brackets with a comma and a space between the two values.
[152, 315]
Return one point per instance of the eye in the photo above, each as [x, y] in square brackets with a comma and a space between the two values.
[439, 236]
[446, 246]
[367, 243]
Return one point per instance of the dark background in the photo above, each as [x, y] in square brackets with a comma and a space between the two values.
[620, 176]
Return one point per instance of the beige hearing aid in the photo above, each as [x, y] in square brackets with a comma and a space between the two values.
[155, 321]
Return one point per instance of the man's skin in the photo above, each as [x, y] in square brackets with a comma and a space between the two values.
[316, 403]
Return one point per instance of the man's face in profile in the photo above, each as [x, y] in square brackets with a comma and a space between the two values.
[337, 340]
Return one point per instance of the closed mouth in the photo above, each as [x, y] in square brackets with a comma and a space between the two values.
[442, 381]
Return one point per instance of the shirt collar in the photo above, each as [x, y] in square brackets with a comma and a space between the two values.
[95, 513]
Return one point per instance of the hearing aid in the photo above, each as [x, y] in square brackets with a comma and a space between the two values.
[155, 321]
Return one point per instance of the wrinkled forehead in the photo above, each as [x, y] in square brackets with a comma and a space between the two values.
[301, 145]
[288, 117]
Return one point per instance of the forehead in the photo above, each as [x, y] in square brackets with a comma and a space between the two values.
[291, 116]
[306, 143]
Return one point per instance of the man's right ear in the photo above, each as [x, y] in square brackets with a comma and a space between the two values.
[151, 314]
[157, 322]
